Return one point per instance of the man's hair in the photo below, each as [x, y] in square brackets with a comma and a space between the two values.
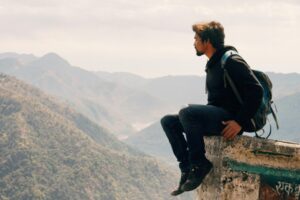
[212, 31]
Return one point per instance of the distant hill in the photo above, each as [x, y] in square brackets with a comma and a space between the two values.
[153, 141]
[285, 84]
[122, 102]
[124, 78]
[173, 90]
[180, 90]
[107, 103]
[21, 58]
[49, 151]
[288, 114]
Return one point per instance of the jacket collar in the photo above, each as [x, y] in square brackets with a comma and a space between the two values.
[217, 56]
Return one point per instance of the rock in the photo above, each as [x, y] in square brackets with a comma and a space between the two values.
[250, 168]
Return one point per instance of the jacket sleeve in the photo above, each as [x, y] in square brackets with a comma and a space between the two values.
[248, 86]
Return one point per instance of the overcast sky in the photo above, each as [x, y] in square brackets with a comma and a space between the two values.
[151, 37]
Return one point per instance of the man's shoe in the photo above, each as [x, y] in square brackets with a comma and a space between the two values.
[196, 176]
[184, 176]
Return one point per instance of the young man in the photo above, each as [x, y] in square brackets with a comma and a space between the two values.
[223, 115]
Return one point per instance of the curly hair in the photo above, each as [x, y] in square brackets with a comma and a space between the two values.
[212, 31]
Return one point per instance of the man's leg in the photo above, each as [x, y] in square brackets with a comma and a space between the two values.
[174, 131]
[197, 121]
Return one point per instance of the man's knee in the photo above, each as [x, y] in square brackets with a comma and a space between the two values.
[185, 113]
[167, 120]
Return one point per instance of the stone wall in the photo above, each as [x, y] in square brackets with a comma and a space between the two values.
[250, 168]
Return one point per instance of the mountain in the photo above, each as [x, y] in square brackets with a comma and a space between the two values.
[49, 151]
[284, 84]
[153, 141]
[173, 90]
[110, 104]
[56, 76]
[122, 102]
[21, 58]
[124, 78]
[178, 90]
[288, 116]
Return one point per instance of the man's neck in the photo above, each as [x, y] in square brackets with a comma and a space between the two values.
[210, 52]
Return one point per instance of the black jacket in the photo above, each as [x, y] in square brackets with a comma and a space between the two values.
[221, 95]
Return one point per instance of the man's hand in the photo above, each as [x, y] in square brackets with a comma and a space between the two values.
[232, 128]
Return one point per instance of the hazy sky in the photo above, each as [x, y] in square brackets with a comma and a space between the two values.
[151, 37]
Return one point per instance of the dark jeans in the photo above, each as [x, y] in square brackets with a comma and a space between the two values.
[195, 121]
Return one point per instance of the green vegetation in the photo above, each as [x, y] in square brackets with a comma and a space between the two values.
[48, 151]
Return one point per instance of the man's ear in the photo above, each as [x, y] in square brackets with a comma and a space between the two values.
[207, 41]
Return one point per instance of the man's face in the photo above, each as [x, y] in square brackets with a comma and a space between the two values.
[199, 45]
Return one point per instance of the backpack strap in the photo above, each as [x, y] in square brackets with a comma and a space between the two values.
[224, 58]
[270, 131]
[227, 77]
[226, 55]
[275, 117]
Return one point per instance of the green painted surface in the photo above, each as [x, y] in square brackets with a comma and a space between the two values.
[292, 176]
[263, 152]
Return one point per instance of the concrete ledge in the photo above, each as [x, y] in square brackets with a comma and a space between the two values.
[251, 169]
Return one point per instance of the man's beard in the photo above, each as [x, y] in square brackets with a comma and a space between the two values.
[199, 53]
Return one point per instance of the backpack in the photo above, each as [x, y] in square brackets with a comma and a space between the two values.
[261, 116]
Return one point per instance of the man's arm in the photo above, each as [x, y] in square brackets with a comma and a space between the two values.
[247, 83]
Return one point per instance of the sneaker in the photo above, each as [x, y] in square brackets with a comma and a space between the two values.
[196, 176]
[184, 176]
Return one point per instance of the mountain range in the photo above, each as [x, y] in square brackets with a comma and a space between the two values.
[122, 102]
[50, 151]
[109, 104]
[131, 106]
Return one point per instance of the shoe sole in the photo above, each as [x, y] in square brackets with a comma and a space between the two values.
[179, 192]
[198, 184]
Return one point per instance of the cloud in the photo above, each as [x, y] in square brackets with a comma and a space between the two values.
[145, 14]
[158, 32]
